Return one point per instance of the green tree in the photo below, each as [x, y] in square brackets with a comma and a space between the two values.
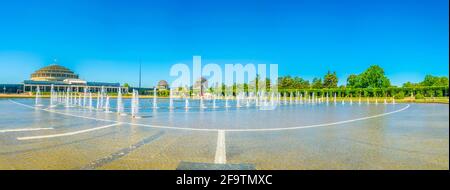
[434, 81]
[354, 81]
[316, 83]
[374, 77]
[330, 80]
[126, 85]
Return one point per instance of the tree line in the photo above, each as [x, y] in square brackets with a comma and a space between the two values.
[371, 83]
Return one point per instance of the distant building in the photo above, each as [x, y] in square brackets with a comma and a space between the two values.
[162, 84]
[63, 78]
[11, 88]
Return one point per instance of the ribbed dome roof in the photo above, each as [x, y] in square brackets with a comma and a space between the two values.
[162, 83]
[53, 72]
[54, 68]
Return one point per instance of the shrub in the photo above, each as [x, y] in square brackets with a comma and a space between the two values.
[419, 96]
[400, 95]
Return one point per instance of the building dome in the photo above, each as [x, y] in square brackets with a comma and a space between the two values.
[162, 84]
[53, 73]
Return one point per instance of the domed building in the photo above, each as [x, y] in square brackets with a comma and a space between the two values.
[53, 72]
[162, 84]
[62, 78]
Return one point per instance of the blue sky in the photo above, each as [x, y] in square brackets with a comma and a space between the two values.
[103, 40]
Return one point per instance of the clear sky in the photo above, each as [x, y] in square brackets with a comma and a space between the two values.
[103, 40]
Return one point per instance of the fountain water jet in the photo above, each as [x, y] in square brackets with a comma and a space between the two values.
[84, 97]
[171, 99]
[155, 102]
[135, 104]
[38, 101]
[107, 104]
[214, 106]
[90, 100]
[335, 99]
[202, 104]
[98, 100]
[52, 96]
[120, 107]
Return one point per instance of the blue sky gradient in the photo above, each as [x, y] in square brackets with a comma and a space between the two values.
[103, 40]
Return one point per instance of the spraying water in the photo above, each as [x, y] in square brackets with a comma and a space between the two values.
[202, 104]
[90, 100]
[135, 104]
[335, 99]
[68, 97]
[38, 101]
[226, 101]
[155, 101]
[120, 109]
[52, 96]
[80, 103]
[85, 97]
[98, 100]
[107, 104]
[171, 99]
[214, 101]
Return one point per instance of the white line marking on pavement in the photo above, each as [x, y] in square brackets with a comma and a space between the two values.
[221, 154]
[21, 130]
[67, 134]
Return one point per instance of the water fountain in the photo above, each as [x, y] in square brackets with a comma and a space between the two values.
[102, 98]
[328, 99]
[393, 101]
[98, 101]
[107, 104]
[285, 98]
[85, 97]
[385, 101]
[155, 101]
[290, 98]
[214, 106]
[238, 100]
[52, 96]
[74, 99]
[38, 101]
[186, 103]
[67, 97]
[80, 103]
[90, 100]
[135, 104]
[272, 99]
[335, 99]
[120, 107]
[247, 104]
[226, 101]
[171, 99]
[202, 104]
